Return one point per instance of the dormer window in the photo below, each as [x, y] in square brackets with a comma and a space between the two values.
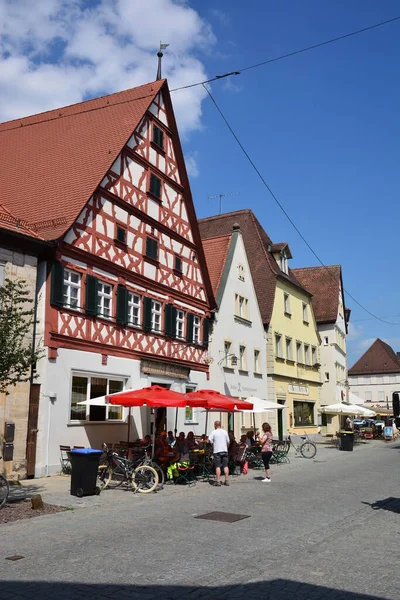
[283, 262]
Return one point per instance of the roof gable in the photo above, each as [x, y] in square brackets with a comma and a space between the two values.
[379, 358]
[216, 252]
[264, 268]
[324, 285]
[52, 162]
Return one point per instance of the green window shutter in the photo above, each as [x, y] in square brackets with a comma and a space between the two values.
[91, 295]
[178, 264]
[147, 314]
[122, 305]
[57, 284]
[170, 320]
[158, 136]
[206, 331]
[155, 185]
[189, 327]
[151, 248]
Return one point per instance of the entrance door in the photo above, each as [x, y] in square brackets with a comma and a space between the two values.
[280, 420]
[160, 414]
[31, 437]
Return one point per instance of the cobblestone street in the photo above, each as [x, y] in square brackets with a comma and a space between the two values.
[323, 529]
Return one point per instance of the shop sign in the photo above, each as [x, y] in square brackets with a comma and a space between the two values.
[242, 388]
[298, 389]
[152, 367]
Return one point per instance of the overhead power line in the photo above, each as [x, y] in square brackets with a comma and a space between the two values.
[283, 209]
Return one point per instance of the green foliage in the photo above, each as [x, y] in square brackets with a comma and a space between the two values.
[17, 316]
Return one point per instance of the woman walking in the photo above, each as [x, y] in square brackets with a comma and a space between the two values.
[266, 450]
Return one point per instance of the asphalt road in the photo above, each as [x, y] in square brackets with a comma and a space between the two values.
[323, 529]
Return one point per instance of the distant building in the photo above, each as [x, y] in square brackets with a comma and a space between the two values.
[375, 378]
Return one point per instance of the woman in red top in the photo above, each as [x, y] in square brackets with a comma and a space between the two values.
[266, 449]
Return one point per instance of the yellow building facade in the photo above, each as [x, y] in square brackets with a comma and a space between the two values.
[293, 366]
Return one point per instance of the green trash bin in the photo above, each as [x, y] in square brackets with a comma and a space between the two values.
[347, 441]
[85, 464]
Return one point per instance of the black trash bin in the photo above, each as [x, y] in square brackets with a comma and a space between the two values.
[85, 464]
[346, 441]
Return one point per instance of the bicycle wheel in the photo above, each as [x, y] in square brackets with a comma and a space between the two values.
[144, 479]
[308, 450]
[104, 476]
[4, 490]
[160, 473]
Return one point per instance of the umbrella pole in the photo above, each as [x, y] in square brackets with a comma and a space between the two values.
[205, 429]
[154, 415]
[176, 421]
[254, 423]
[129, 426]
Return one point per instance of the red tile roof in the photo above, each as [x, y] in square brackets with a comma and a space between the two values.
[216, 251]
[52, 162]
[380, 358]
[324, 285]
[11, 223]
[263, 266]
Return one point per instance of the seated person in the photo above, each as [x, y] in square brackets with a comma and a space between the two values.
[243, 439]
[233, 445]
[170, 439]
[190, 441]
[250, 441]
[146, 441]
[161, 447]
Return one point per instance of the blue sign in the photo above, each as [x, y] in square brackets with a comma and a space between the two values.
[388, 432]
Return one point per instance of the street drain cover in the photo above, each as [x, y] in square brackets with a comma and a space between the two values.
[222, 516]
[14, 557]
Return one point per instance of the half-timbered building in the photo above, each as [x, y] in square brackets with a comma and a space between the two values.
[124, 296]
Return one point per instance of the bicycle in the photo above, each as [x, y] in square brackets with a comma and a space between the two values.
[4, 490]
[306, 448]
[117, 470]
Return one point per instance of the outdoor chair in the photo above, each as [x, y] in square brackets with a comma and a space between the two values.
[186, 474]
[65, 460]
[253, 457]
[280, 452]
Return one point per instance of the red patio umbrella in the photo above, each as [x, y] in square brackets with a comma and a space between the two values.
[213, 400]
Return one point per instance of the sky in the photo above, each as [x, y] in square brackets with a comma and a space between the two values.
[322, 126]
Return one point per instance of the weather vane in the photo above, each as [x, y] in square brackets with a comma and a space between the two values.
[160, 55]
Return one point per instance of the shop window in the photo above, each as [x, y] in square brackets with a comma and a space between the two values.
[85, 387]
[303, 413]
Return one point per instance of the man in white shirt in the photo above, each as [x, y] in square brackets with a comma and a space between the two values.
[220, 440]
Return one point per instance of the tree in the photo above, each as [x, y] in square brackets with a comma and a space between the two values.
[17, 316]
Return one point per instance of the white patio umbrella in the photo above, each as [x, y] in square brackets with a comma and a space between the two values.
[340, 409]
[366, 412]
[260, 405]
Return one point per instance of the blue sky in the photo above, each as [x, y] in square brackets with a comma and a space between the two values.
[322, 127]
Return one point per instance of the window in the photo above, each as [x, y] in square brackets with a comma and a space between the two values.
[241, 307]
[155, 186]
[313, 355]
[299, 352]
[151, 248]
[381, 396]
[307, 354]
[303, 413]
[305, 313]
[368, 396]
[178, 264]
[242, 358]
[196, 330]
[133, 309]
[155, 316]
[326, 377]
[257, 366]
[2, 271]
[121, 234]
[85, 387]
[240, 269]
[367, 380]
[180, 324]
[104, 300]
[158, 137]
[227, 352]
[286, 304]
[326, 341]
[283, 263]
[72, 289]
[289, 350]
[278, 345]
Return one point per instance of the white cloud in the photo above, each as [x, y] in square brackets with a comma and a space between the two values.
[64, 51]
[191, 164]
[354, 332]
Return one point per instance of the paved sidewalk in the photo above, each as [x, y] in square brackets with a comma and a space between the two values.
[327, 528]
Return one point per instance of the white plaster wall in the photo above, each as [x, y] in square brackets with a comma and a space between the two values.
[329, 356]
[391, 385]
[54, 427]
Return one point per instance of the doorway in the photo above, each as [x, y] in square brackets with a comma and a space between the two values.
[280, 419]
[159, 421]
[31, 437]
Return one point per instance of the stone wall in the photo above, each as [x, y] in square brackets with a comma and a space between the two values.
[14, 406]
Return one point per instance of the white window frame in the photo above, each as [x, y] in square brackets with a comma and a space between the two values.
[134, 305]
[381, 393]
[196, 330]
[313, 355]
[278, 345]
[326, 340]
[327, 378]
[307, 354]
[180, 324]
[241, 307]
[68, 286]
[286, 303]
[368, 396]
[299, 352]
[257, 362]
[289, 349]
[156, 308]
[102, 296]
[89, 377]
[242, 358]
[305, 313]
[227, 353]
[240, 269]
[283, 263]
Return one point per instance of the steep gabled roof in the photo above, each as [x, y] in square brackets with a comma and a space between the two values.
[10, 223]
[264, 268]
[324, 285]
[52, 162]
[216, 251]
[380, 358]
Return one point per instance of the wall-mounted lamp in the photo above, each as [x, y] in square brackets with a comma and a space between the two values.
[233, 358]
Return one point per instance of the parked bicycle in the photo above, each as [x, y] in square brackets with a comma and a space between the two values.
[116, 470]
[306, 448]
[4, 490]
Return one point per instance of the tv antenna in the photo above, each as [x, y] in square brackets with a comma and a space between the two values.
[220, 196]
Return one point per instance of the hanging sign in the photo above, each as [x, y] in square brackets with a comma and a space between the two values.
[152, 367]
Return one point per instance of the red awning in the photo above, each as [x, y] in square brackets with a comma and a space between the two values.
[211, 399]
